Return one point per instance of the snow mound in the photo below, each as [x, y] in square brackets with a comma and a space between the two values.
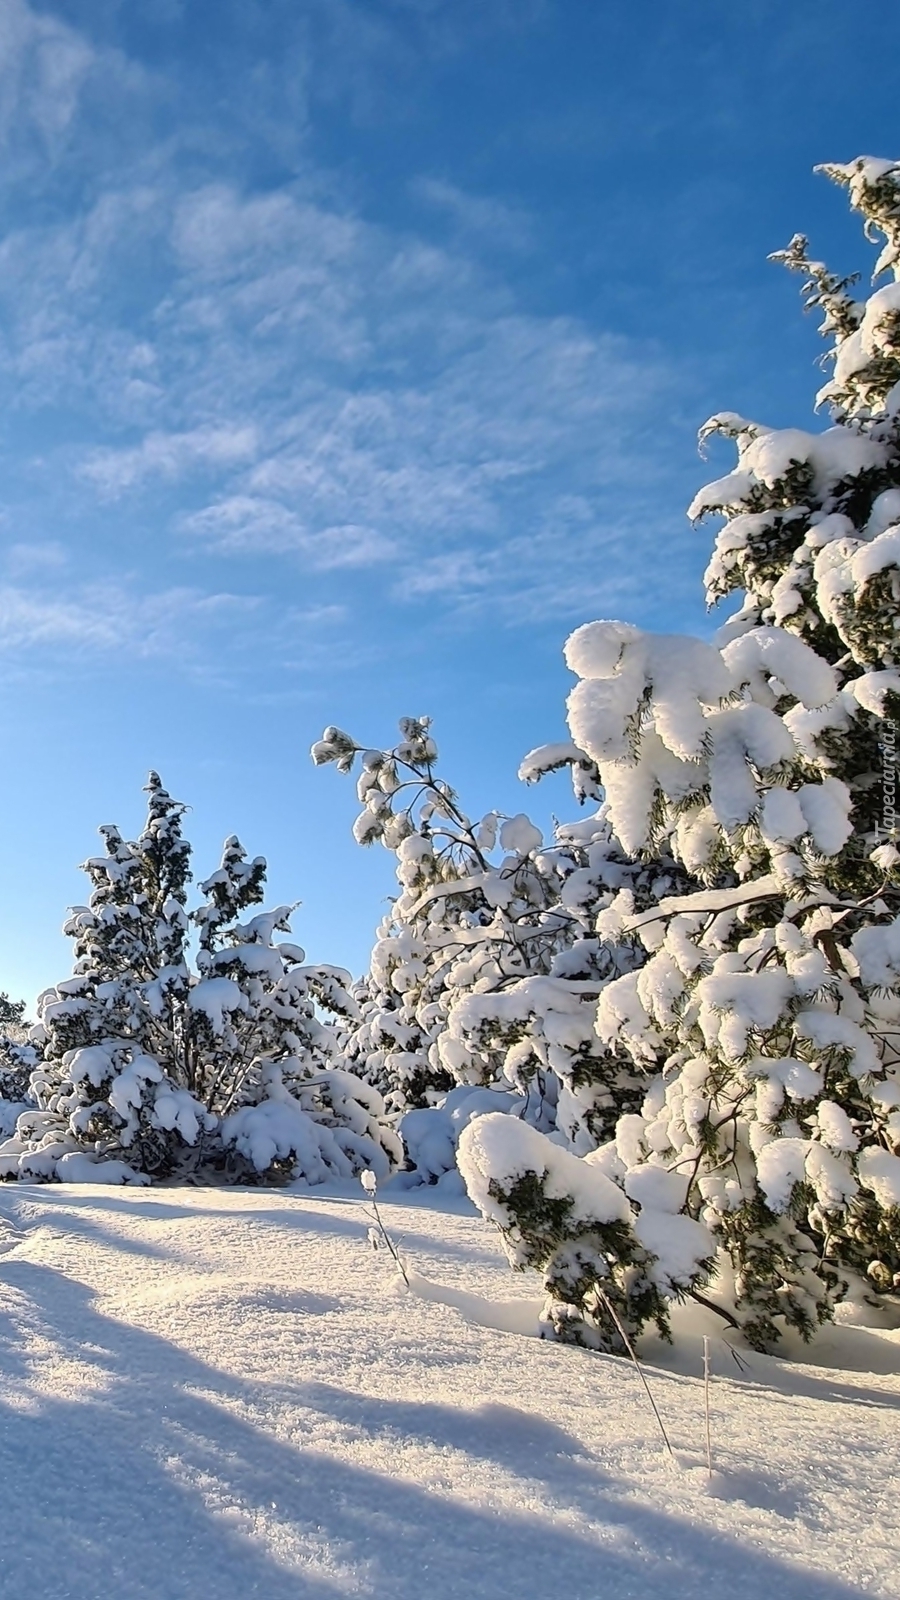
[258, 1410]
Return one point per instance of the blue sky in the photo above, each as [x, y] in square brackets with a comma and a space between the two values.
[351, 353]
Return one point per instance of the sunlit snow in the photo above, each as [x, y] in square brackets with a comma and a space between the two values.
[225, 1393]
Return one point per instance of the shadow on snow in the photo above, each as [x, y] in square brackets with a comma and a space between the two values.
[153, 1487]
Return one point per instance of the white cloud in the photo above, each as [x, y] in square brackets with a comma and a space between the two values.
[566, 566]
[310, 384]
[67, 343]
[219, 235]
[494, 222]
[247, 523]
[114, 618]
[43, 66]
[42, 556]
[172, 455]
[368, 58]
[341, 393]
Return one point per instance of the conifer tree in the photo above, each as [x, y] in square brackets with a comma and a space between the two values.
[17, 1061]
[766, 1012]
[154, 1064]
[487, 968]
[12, 1016]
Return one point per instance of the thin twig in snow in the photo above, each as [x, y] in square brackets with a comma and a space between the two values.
[709, 1465]
[638, 1368]
[370, 1184]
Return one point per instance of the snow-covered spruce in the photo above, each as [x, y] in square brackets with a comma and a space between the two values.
[17, 1062]
[767, 1010]
[699, 988]
[607, 1269]
[150, 1065]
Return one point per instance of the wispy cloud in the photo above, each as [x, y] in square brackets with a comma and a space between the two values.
[172, 456]
[491, 221]
[51, 76]
[46, 556]
[114, 618]
[272, 375]
[566, 566]
[362, 52]
[43, 65]
[248, 523]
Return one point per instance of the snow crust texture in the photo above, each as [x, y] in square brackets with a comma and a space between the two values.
[222, 1393]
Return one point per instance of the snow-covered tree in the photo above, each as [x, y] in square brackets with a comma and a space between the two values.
[17, 1062]
[766, 1013]
[156, 1063]
[487, 968]
[458, 920]
[610, 1260]
[12, 1017]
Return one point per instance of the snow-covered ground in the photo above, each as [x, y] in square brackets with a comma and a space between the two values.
[221, 1394]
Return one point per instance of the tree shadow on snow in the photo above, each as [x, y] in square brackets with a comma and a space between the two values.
[821, 1387]
[348, 1216]
[152, 1487]
[63, 1209]
[521, 1441]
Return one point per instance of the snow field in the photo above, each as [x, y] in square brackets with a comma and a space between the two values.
[226, 1393]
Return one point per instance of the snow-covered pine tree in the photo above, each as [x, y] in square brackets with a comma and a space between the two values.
[487, 968]
[442, 927]
[17, 1061]
[104, 1034]
[767, 1012]
[12, 1017]
[154, 1065]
